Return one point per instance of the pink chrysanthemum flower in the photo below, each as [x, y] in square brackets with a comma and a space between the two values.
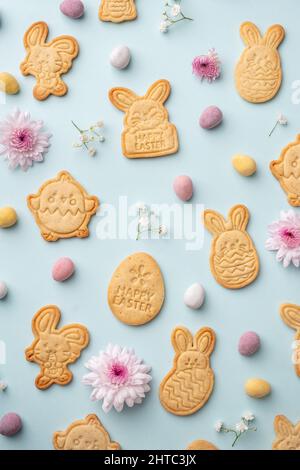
[207, 66]
[22, 140]
[284, 237]
[117, 376]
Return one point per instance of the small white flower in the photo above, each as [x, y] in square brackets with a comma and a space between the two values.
[163, 230]
[241, 427]
[100, 124]
[76, 145]
[282, 120]
[248, 416]
[101, 138]
[176, 9]
[164, 25]
[92, 151]
[84, 138]
[144, 221]
[3, 386]
[219, 426]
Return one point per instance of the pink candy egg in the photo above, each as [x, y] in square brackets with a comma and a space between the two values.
[10, 424]
[249, 343]
[62, 269]
[211, 117]
[183, 187]
[72, 8]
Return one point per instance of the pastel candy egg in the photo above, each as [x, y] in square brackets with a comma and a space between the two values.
[10, 424]
[3, 290]
[62, 269]
[211, 117]
[249, 343]
[257, 388]
[8, 217]
[72, 8]
[8, 83]
[120, 57]
[183, 187]
[244, 164]
[194, 296]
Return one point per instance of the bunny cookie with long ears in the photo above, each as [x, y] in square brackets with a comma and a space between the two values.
[287, 171]
[233, 258]
[189, 384]
[117, 11]
[258, 73]
[147, 131]
[54, 349]
[287, 435]
[47, 61]
[290, 314]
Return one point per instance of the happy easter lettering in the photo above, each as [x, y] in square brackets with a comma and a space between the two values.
[134, 298]
[145, 141]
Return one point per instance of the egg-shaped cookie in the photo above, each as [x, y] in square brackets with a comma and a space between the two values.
[136, 291]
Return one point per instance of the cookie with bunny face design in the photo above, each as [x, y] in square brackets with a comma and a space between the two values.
[117, 11]
[233, 259]
[147, 130]
[189, 384]
[84, 434]
[47, 61]
[258, 73]
[54, 349]
[62, 208]
[290, 314]
[287, 171]
[287, 435]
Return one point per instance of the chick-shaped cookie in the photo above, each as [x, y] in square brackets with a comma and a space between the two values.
[287, 170]
[287, 435]
[62, 208]
[84, 434]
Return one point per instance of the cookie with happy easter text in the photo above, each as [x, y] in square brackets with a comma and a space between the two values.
[53, 349]
[47, 61]
[287, 434]
[233, 258]
[200, 444]
[189, 384]
[147, 130]
[258, 73]
[136, 291]
[62, 208]
[290, 314]
[84, 434]
[287, 170]
[117, 11]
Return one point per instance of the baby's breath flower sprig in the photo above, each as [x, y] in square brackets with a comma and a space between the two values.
[281, 120]
[171, 15]
[88, 136]
[148, 222]
[242, 427]
[3, 385]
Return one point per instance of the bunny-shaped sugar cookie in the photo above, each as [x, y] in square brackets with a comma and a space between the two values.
[287, 435]
[233, 259]
[258, 73]
[147, 131]
[84, 434]
[287, 170]
[54, 349]
[117, 10]
[47, 61]
[290, 314]
[189, 384]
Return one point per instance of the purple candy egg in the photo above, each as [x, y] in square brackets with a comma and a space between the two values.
[72, 8]
[62, 269]
[183, 187]
[249, 343]
[211, 117]
[10, 424]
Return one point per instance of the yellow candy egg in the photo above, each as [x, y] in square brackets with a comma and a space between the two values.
[8, 217]
[244, 165]
[257, 388]
[8, 83]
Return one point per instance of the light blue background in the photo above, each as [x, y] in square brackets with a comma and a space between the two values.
[26, 259]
